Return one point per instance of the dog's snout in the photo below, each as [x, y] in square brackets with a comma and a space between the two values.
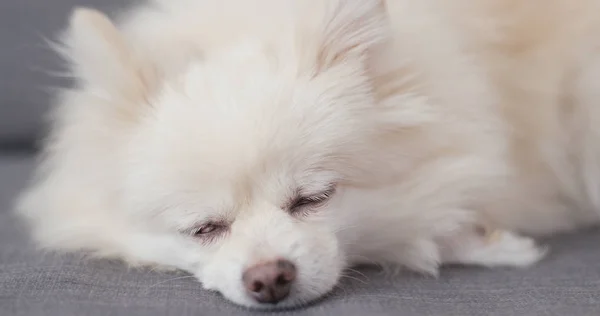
[270, 282]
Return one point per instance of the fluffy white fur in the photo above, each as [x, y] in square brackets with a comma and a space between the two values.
[450, 129]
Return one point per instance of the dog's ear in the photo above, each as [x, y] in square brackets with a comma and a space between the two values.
[101, 58]
[352, 28]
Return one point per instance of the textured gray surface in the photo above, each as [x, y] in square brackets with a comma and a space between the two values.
[31, 284]
[27, 63]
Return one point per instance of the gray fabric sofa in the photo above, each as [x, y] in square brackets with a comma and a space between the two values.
[33, 284]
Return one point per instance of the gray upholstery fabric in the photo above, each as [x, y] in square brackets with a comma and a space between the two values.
[567, 283]
[28, 67]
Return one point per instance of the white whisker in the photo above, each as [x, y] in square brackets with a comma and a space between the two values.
[169, 280]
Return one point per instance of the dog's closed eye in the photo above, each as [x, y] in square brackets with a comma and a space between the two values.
[208, 232]
[206, 229]
[303, 203]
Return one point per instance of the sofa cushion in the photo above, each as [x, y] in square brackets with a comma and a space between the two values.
[35, 284]
[28, 67]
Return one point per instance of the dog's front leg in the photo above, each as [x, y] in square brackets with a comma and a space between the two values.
[490, 247]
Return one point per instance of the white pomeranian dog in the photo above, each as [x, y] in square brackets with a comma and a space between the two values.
[266, 145]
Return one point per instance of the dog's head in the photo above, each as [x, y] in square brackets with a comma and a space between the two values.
[234, 167]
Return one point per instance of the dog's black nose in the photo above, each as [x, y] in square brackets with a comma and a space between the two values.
[270, 282]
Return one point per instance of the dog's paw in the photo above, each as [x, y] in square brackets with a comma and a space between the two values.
[492, 249]
[503, 248]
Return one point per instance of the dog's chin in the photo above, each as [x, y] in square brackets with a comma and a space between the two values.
[297, 299]
[287, 304]
[301, 295]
